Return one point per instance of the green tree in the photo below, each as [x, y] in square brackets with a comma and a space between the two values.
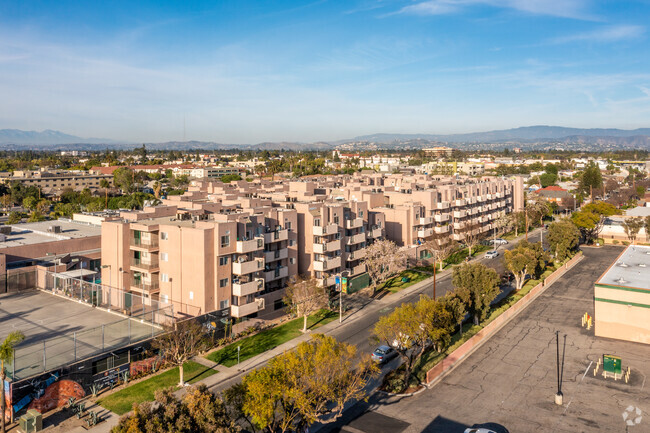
[124, 178]
[412, 328]
[591, 179]
[6, 356]
[30, 202]
[547, 179]
[199, 411]
[477, 286]
[35, 216]
[455, 306]
[563, 236]
[306, 385]
[525, 259]
[591, 217]
[105, 184]
[14, 218]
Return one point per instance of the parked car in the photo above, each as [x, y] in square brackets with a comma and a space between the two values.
[479, 430]
[499, 241]
[491, 254]
[383, 354]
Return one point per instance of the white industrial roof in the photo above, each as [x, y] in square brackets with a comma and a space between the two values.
[631, 269]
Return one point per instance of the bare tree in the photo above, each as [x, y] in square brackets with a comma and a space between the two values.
[383, 258]
[304, 297]
[472, 237]
[181, 343]
[632, 227]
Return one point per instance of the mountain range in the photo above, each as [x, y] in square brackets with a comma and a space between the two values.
[528, 136]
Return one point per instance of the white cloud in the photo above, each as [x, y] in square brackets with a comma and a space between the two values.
[605, 34]
[560, 8]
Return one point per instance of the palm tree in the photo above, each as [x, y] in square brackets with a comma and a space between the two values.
[105, 184]
[6, 355]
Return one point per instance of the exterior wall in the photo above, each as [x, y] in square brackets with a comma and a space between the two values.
[41, 250]
[622, 313]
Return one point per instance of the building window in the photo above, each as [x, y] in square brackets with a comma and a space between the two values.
[317, 222]
[287, 225]
[164, 257]
[291, 242]
[336, 219]
[163, 236]
[164, 278]
[292, 260]
[223, 282]
[360, 214]
[223, 260]
[225, 241]
[224, 304]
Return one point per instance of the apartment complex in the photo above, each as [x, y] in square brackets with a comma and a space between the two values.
[233, 247]
[53, 181]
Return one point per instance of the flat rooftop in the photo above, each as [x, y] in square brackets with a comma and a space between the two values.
[62, 328]
[37, 233]
[631, 269]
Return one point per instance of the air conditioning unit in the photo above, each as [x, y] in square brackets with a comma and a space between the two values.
[3, 238]
[54, 229]
[5, 230]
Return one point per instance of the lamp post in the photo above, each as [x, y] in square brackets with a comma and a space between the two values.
[109, 284]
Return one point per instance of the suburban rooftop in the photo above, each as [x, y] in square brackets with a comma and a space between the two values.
[631, 269]
[39, 232]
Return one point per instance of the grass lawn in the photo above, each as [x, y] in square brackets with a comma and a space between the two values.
[122, 401]
[459, 256]
[269, 338]
[396, 284]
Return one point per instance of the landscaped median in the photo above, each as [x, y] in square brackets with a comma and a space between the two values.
[122, 401]
[434, 365]
[268, 339]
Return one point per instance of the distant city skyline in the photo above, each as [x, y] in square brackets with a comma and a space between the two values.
[248, 72]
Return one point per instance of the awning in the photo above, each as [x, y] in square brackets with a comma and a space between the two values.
[76, 273]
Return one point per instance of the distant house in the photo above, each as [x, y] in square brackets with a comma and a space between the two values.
[563, 198]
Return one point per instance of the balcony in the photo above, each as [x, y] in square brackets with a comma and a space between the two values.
[426, 220]
[327, 264]
[499, 195]
[327, 247]
[256, 244]
[240, 288]
[271, 256]
[276, 236]
[460, 214]
[441, 229]
[472, 200]
[276, 274]
[359, 269]
[425, 233]
[141, 286]
[357, 255]
[247, 309]
[247, 267]
[458, 226]
[354, 224]
[375, 233]
[326, 282]
[144, 244]
[442, 205]
[147, 265]
[458, 236]
[441, 218]
[356, 239]
[329, 229]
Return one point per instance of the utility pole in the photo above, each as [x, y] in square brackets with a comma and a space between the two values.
[560, 368]
[526, 214]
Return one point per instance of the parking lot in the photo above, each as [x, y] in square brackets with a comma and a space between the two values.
[509, 383]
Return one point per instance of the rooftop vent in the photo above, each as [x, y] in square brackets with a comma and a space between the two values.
[623, 265]
[621, 281]
[643, 265]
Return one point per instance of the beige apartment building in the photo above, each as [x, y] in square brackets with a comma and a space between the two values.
[233, 247]
[52, 181]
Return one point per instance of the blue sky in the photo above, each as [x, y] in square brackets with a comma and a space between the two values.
[246, 72]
